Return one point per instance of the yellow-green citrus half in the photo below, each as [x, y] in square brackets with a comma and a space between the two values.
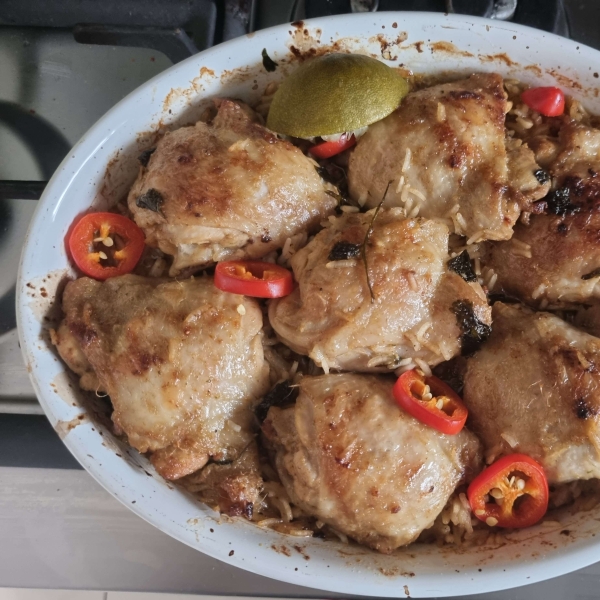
[335, 93]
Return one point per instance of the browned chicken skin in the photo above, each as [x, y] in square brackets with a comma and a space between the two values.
[447, 144]
[554, 260]
[234, 487]
[562, 265]
[534, 388]
[347, 454]
[331, 317]
[226, 190]
[181, 361]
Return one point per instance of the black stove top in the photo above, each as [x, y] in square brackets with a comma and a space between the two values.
[549, 15]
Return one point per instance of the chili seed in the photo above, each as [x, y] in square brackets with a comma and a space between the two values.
[102, 255]
[491, 521]
[241, 309]
[439, 404]
[108, 242]
[520, 484]
[496, 493]
[479, 512]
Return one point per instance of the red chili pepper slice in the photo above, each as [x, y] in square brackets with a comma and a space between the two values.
[431, 401]
[105, 245]
[253, 278]
[329, 149]
[512, 492]
[548, 101]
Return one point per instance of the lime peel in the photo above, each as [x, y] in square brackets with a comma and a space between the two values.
[335, 93]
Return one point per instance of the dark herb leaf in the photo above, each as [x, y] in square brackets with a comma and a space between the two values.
[268, 63]
[336, 175]
[344, 251]
[281, 395]
[558, 202]
[152, 200]
[474, 332]
[542, 176]
[462, 265]
[144, 157]
[591, 274]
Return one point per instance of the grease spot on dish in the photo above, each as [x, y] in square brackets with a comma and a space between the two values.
[448, 48]
[500, 57]
[300, 550]
[63, 428]
[563, 80]
[389, 46]
[281, 549]
[43, 292]
[534, 69]
[63, 388]
[189, 93]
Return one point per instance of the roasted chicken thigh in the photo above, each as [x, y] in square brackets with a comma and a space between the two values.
[181, 361]
[332, 317]
[444, 150]
[534, 388]
[555, 258]
[347, 454]
[226, 190]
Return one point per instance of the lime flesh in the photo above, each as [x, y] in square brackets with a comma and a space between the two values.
[335, 93]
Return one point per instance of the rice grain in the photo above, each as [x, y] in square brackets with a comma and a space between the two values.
[423, 366]
[476, 237]
[407, 367]
[341, 264]
[420, 195]
[441, 112]
[406, 163]
[415, 211]
[422, 330]
[400, 184]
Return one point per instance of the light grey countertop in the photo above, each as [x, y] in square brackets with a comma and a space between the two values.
[60, 530]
